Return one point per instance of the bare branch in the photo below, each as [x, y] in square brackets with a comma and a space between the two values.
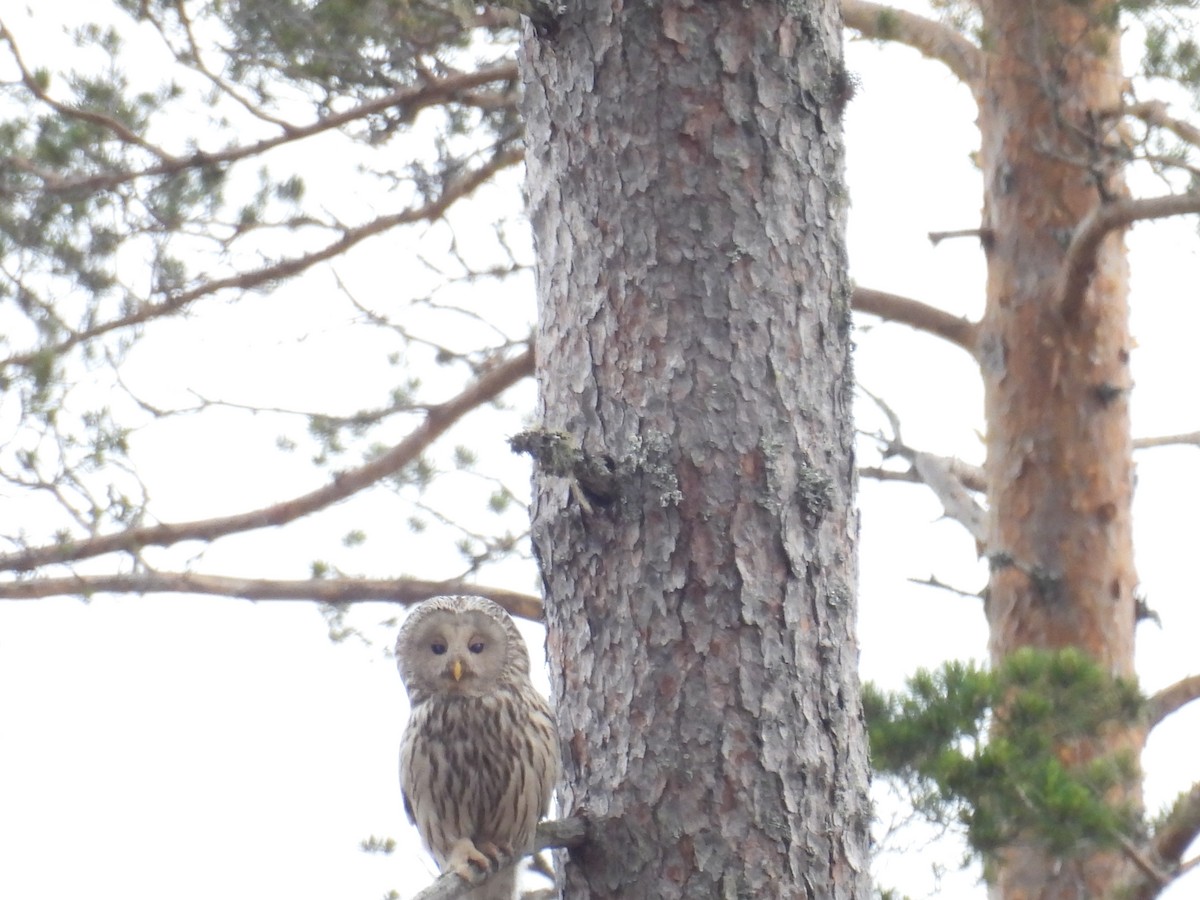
[938, 474]
[950, 479]
[439, 418]
[894, 308]
[932, 39]
[1154, 112]
[559, 833]
[878, 473]
[934, 582]
[284, 268]
[339, 591]
[985, 235]
[1084, 249]
[1168, 440]
[1171, 699]
[1170, 841]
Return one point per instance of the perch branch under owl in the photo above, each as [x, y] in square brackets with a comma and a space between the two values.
[570, 832]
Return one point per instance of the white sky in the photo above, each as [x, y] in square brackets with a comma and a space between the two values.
[190, 747]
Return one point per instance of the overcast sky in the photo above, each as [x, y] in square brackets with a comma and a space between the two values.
[183, 747]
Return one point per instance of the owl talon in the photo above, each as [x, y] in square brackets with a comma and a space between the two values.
[467, 861]
[494, 851]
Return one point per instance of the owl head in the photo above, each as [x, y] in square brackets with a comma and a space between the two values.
[459, 646]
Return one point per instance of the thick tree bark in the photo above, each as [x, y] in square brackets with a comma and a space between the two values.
[1056, 374]
[685, 180]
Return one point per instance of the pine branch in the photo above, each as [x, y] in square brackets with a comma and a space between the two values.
[437, 420]
[559, 833]
[339, 591]
[1084, 249]
[118, 128]
[1171, 699]
[285, 268]
[931, 38]
[894, 308]
[408, 100]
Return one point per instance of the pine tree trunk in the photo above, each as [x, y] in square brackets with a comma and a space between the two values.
[685, 182]
[1056, 375]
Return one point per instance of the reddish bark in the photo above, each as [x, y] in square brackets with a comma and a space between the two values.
[1056, 374]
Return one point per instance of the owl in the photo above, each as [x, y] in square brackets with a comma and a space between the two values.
[479, 756]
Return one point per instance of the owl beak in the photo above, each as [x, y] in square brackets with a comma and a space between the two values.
[457, 669]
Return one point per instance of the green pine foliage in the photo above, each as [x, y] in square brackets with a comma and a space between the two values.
[996, 750]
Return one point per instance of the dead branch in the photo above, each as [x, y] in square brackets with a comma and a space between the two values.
[930, 38]
[950, 479]
[338, 591]
[934, 582]
[437, 420]
[285, 268]
[894, 308]
[938, 474]
[878, 473]
[1171, 699]
[1084, 249]
[984, 235]
[559, 833]
[1168, 440]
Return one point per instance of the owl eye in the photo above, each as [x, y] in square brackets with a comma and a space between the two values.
[476, 647]
[438, 648]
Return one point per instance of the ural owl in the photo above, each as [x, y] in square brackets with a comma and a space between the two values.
[479, 756]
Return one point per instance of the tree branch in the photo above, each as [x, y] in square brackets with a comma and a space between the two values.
[437, 420]
[938, 474]
[1171, 699]
[285, 268]
[1084, 249]
[338, 591]
[1154, 112]
[108, 123]
[931, 38]
[559, 833]
[1167, 440]
[950, 479]
[894, 308]
[1170, 841]
[409, 99]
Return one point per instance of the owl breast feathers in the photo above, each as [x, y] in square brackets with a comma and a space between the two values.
[479, 756]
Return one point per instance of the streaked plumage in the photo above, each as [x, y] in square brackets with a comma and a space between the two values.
[479, 756]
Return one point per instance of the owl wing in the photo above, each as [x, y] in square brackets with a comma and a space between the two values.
[408, 810]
